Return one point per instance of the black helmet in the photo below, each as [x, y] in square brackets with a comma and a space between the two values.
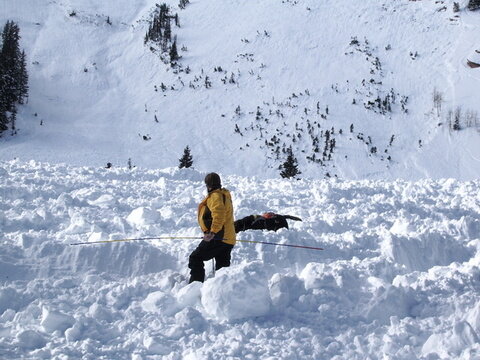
[212, 180]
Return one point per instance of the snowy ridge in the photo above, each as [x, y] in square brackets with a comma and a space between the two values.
[99, 95]
[398, 277]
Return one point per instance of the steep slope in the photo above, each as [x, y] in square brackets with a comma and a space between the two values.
[293, 69]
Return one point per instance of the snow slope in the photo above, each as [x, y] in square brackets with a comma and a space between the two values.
[96, 88]
[398, 279]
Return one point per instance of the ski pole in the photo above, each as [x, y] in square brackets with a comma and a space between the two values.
[279, 244]
[138, 239]
[193, 237]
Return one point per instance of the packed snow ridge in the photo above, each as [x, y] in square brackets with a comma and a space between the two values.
[399, 276]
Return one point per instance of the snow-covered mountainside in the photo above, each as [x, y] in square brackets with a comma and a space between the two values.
[398, 277]
[254, 79]
[374, 99]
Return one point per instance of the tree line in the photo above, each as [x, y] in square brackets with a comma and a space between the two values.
[13, 77]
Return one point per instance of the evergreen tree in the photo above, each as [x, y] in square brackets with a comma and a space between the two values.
[186, 160]
[9, 58]
[13, 75]
[456, 123]
[290, 166]
[167, 34]
[22, 78]
[183, 4]
[3, 119]
[174, 53]
[13, 120]
[473, 5]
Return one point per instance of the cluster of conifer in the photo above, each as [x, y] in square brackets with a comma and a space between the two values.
[13, 76]
[160, 31]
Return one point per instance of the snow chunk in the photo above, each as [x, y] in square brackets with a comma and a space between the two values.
[393, 301]
[160, 302]
[104, 201]
[9, 299]
[143, 216]
[97, 236]
[402, 226]
[189, 318]
[75, 332]
[53, 321]
[284, 289]
[424, 251]
[99, 312]
[318, 276]
[237, 292]
[461, 337]
[78, 225]
[154, 345]
[473, 317]
[190, 295]
[30, 340]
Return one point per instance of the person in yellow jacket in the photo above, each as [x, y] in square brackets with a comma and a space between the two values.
[215, 217]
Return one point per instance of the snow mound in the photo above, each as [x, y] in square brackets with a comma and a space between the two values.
[237, 293]
[284, 289]
[115, 259]
[143, 216]
[160, 302]
[30, 340]
[104, 201]
[423, 251]
[393, 301]
[55, 320]
[454, 341]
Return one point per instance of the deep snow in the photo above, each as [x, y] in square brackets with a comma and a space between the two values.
[398, 279]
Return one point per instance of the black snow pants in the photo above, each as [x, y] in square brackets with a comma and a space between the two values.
[206, 251]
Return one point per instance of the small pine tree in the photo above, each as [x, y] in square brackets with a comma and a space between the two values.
[3, 120]
[183, 4]
[174, 53]
[290, 166]
[22, 79]
[391, 140]
[456, 123]
[13, 120]
[186, 160]
[473, 5]
[168, 30]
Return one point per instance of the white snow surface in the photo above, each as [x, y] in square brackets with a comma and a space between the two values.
[398, 278]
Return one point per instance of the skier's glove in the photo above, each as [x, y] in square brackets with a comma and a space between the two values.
[208, 236]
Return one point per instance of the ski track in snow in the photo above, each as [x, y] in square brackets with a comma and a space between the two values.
[398, 279]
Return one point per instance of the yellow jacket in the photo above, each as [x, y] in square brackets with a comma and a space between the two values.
[215, 214]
